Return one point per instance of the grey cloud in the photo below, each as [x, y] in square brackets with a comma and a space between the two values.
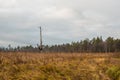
[62, 21]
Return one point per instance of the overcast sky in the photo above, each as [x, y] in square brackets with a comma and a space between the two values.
[62, 21]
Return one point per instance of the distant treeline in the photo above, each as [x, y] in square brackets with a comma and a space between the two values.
[95, 45]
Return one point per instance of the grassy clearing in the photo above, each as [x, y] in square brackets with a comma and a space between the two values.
[60, 66]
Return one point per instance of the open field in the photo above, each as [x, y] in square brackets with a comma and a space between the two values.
[59, 66]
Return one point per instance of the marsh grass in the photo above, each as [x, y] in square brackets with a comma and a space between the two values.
[59, 66]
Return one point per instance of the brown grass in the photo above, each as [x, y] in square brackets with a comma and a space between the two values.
[59, 66]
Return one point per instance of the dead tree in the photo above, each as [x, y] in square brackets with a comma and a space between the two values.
[40, 47]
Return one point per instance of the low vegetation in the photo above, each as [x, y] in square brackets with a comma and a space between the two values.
[59, 66]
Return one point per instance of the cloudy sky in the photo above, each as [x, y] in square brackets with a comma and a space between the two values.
[62, 21]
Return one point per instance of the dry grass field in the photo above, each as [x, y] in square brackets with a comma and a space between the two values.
[59, 66]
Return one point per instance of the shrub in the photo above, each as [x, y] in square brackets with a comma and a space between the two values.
[114, 73]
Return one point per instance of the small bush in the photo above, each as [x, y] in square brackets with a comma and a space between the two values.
[114, 73]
